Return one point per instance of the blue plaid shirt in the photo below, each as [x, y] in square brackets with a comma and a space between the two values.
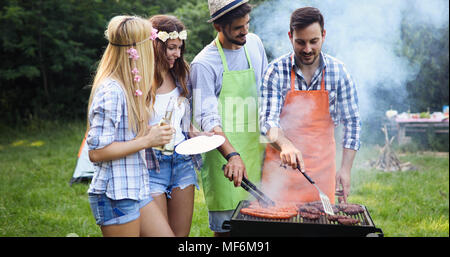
[126, 177]
[343, 99]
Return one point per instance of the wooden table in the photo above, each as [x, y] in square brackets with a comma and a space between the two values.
[419, 126]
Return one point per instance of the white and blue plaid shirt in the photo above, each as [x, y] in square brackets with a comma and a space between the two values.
[343, 99]
[126, 177]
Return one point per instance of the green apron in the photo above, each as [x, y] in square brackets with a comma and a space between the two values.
[238, 107]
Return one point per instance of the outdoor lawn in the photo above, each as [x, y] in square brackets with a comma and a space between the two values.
[37, 163]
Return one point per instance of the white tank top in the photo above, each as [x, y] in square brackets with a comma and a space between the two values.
[161, 101]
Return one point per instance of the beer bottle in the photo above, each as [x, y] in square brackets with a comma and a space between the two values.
[167, 149]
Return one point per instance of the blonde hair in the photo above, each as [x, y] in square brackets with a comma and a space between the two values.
[124, 32]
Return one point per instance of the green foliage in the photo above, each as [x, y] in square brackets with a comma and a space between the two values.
[200, 32]
[50, 50]
[428, 48]
[430, 140]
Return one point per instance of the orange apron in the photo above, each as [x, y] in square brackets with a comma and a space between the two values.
[306, 122]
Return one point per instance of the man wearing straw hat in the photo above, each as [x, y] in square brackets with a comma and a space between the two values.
[225, 76]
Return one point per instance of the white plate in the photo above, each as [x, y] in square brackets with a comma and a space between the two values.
[200, 144]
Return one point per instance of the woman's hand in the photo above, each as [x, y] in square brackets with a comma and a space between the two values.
[154, 136]
[157, 135]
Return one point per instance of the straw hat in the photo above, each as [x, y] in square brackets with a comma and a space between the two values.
[217, 8]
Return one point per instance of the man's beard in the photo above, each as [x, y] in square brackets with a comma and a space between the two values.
[231, 40]
[304, 62]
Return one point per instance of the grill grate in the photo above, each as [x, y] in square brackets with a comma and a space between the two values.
[362, 217]
[243, 224]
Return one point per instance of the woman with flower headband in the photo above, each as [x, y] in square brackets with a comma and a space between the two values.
[118, 133]
[173, 179]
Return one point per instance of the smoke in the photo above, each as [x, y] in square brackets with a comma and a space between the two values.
[364, 34]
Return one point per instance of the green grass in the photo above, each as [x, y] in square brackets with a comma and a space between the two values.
[406, 203]
[37, 162]
[36, 165]
[36, 199]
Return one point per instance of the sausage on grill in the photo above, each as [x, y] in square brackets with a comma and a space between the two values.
[279, 211]
[268, 214]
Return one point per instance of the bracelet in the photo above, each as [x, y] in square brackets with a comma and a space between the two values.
[231, 155]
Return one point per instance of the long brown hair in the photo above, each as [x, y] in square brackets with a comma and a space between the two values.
[180, 68]
[122, 33]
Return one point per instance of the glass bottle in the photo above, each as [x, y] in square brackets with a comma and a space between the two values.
[167, 149]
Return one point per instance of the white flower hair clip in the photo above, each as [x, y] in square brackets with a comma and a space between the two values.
[163, 35]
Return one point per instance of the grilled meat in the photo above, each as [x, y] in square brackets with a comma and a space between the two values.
[351, 209]
[348, 221]
[309, 216]
[310, 209]
[335, 217]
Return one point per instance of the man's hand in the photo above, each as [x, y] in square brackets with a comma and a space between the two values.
[342, 185]
[235, 169]
[289, 154]
[194, 132]
[343, 174]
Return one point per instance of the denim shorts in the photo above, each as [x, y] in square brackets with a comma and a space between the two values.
[216, 219]
[175, 170]
[113, 212]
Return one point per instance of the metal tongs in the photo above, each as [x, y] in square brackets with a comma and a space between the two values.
[262, 198]
[323, 197]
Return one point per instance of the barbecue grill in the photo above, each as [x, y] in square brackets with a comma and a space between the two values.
[245, 225]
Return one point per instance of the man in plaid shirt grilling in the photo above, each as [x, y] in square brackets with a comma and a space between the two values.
[303, 96]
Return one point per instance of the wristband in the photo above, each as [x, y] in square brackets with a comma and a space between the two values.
[231, 155]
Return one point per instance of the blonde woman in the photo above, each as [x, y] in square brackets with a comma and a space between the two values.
[118, 134]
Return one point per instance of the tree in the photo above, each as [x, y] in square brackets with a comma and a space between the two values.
[49, 50]
[428, 48]
[194, 15]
